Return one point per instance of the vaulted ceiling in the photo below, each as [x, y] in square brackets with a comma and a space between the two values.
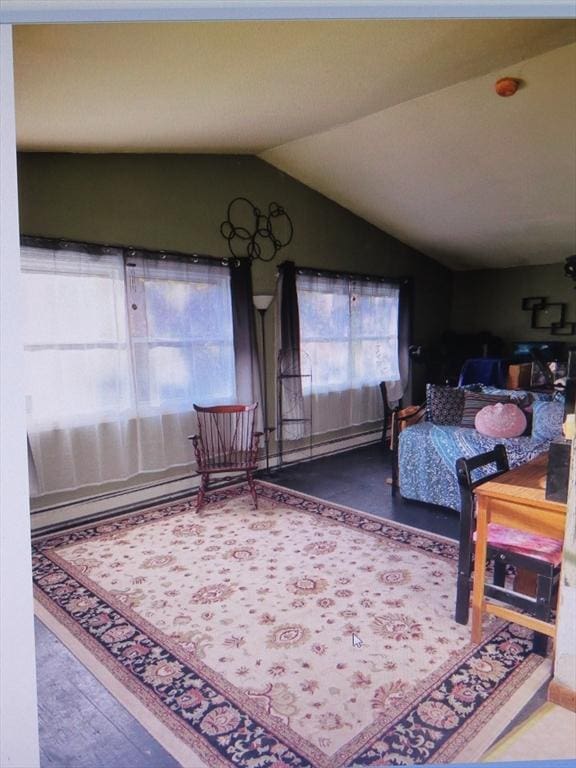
[397, 121]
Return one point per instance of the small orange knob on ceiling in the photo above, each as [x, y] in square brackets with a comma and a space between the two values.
[506, 86]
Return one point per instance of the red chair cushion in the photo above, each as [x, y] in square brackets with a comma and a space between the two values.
[522, 543]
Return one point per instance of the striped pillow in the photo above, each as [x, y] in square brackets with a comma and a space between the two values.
[474, 402]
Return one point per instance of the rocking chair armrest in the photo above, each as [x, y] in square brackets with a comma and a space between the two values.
[403, 414]
[256, 443]
[197, 443]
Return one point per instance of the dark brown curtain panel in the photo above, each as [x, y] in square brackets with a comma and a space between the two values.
[245, 341]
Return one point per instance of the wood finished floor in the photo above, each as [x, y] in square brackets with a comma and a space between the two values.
[83, 726]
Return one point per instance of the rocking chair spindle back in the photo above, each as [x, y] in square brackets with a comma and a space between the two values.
[226, 442]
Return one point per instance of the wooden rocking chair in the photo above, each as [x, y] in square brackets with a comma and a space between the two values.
[226, 443]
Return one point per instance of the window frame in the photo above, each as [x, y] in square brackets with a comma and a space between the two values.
[351, 286]
[131, 406]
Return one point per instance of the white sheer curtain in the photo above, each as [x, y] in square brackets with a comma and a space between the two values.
[349, 329]
[115, 358]
[181, 332]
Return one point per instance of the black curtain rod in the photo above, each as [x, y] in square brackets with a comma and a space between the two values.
[129, 250]
[358, 276]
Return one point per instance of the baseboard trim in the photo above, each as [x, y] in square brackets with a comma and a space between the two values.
[562, 695]
[88, 510]
[325, 448]
[98, 507]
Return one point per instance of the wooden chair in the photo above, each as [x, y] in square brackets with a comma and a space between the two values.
[385, 412]
[537, 555]
[464, 469]
[226, 443]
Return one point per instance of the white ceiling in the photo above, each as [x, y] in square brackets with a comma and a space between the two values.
[395, 120]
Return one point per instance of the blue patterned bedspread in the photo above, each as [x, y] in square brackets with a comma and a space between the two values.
[428, 453]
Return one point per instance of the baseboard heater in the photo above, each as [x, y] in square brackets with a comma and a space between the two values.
[95, 508]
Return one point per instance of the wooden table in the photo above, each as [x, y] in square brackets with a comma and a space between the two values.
[516, 499]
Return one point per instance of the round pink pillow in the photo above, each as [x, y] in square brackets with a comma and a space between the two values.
[500, 420]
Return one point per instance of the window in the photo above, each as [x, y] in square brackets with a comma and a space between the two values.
[349, 330]
[77, 360]
[118, 347]
[182, 334]
[82, 355]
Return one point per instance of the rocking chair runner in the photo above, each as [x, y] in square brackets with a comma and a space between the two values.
[226, 442]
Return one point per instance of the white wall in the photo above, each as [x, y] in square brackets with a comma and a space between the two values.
[18, 713]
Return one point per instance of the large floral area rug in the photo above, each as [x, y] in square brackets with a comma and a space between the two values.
[299, 634]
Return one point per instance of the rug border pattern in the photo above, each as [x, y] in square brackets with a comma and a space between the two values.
[252, 729]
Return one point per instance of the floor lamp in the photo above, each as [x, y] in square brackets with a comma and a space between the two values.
[262, 302]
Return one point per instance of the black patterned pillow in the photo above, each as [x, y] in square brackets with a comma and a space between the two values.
[444, 405]
[474, 402]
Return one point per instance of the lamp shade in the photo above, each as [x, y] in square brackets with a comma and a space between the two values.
[262, 301]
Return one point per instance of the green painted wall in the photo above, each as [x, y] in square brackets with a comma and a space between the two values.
[491, 300]
[179, 201]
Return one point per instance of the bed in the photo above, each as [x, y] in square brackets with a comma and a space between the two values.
[427, 451]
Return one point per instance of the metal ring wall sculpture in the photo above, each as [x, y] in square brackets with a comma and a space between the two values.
[255, 234]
